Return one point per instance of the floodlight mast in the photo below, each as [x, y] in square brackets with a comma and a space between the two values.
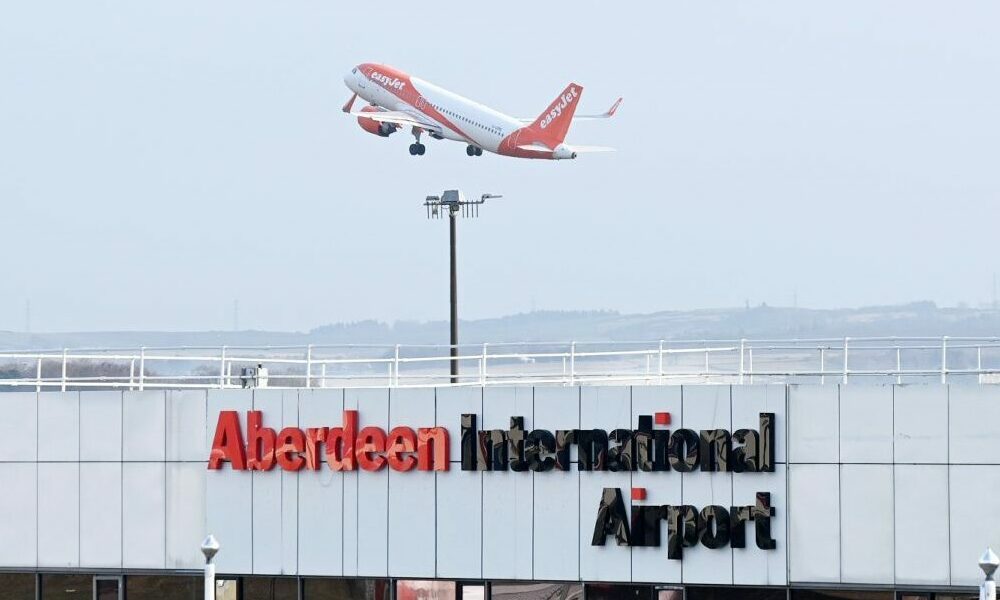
[454, 202]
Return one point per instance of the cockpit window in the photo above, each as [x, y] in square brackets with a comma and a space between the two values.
[354, 71]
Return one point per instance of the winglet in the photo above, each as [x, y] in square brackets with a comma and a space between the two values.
[350, 104]
[614, 108]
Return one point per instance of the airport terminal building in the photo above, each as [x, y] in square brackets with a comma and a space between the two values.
[764, 492]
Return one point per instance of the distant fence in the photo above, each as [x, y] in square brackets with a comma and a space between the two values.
[843, 360]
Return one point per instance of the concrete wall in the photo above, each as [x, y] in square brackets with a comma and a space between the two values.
[878, 485]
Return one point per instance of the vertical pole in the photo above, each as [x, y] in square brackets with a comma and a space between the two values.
[482, 367]
[944, 359]
[142, 368]
[979, 363]
[38, 375]
[572, 362]
[454, 298]
[899, 364]
[209, 580]
[222, 369]
[845, 358]
[706, 365]
[395, 365]
[743, 344]
[750, 359]
[63, 387]
[659, 368]
[322, 373]
[131, 375]
[822, 365]
[309, 365]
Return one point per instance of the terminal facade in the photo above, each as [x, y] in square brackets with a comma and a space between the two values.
[519, 493]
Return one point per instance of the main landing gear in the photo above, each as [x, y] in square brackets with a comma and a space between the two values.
[473, 150]
[417, 149]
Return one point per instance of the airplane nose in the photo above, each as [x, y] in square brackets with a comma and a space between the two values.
[349, 79]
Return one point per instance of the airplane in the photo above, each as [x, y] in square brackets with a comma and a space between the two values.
[397, 101]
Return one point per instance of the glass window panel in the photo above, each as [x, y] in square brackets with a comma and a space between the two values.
[832, 594]
[269, 588]
[67, 587]
[425, 590]
[669, 594]
[345, 589]
[107, 588]
[471, 591]
[226, 589]
[735, 593]
[164, 587]
[17, 586]
[608, 591]
[536, 591]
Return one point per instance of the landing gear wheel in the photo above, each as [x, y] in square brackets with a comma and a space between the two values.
[413, 149]
[479, 151]
[470, 150]
[421, 149]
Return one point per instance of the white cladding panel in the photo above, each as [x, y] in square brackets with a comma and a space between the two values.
[321, 536]
[101, 427]
[144, 515]
[751, 565]
[412, 515]
[101, 514]
[701, 564]
[185, 521]
[866, 424]
[58, 426]
[59, 514]
[459, 523]
[144, 429]
[866, 524]
[18, 513]
[19, 426]
[921, 499]
[885, 485]
[813, 523]
[920, 417]
[813, 424]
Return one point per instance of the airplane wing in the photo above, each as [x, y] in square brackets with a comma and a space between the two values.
[605, 115]
[398, 118]
[542, 149]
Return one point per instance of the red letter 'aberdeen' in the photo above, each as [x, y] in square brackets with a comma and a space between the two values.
[228, 442]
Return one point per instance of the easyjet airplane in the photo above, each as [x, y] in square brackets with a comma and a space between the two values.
[397, 101]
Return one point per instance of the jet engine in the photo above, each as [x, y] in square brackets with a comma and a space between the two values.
[374, 127]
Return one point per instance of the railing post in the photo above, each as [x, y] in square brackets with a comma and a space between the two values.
[482, 367]
[743, 343]
[979, 363]
[750, 363]
[222, 369]
[38, 375]
[63, 386]
[944, 359]
[395, 365]
[846, 340]
[309, 365]
[572, 363]
[142, 368]
[899, 364]
[822, 365]
[706, 366]
[322, 372]
[131, 375]
[659, 368]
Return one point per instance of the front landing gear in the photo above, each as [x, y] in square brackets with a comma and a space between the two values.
[473, 150]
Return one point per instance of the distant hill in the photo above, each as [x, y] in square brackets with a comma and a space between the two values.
[914, 319]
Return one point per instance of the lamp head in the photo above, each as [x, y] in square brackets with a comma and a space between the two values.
[210, 547]
[989, 562]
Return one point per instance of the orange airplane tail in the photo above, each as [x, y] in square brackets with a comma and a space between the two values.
[552, 125]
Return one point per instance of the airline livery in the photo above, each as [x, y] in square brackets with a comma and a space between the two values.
[397, 100]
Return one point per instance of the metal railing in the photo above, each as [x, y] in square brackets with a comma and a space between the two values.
[744, 361]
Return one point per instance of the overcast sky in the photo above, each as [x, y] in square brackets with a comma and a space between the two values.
[160, 159]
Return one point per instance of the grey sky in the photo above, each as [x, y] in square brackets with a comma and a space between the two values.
[159, 159]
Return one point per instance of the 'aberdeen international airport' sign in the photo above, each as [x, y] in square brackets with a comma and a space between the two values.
[648, 449]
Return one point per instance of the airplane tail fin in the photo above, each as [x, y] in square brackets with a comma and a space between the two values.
[553, 124]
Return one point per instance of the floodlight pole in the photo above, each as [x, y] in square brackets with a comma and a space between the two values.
[454, 202]
[453, 342]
